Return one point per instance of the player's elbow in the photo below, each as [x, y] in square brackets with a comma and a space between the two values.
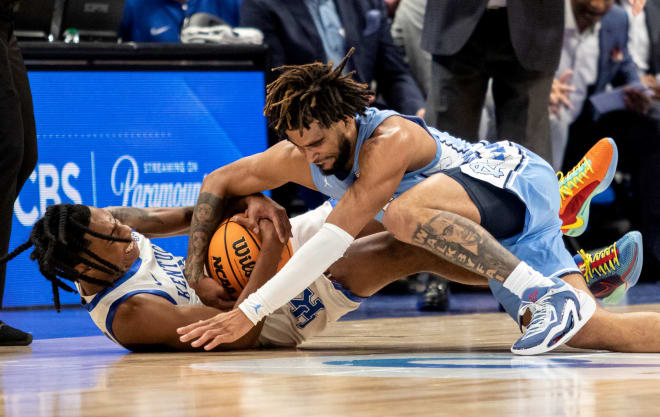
[215, 181]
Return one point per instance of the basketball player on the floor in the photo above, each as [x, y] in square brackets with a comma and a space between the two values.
[490, 208]
[136, 294]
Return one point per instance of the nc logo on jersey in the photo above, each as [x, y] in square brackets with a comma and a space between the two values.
[487, 167]
[304, 308]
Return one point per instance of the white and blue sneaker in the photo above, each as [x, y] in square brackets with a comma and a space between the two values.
[558, 313]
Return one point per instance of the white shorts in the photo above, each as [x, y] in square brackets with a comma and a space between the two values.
[308, 314]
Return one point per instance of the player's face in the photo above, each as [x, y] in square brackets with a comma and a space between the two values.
[121, 254]
[328, 148]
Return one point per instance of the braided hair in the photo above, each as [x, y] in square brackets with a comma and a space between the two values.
[312, 92]
[59, 242]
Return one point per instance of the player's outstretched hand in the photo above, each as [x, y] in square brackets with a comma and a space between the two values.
[222, 328]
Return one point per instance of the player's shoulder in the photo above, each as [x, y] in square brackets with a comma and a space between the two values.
[135, 313]
[394, 133]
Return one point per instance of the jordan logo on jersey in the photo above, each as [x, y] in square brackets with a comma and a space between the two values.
[304, 308]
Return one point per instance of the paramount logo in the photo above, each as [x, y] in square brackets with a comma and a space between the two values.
[162, 194]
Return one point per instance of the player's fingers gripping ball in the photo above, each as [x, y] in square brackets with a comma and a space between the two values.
[232, 254]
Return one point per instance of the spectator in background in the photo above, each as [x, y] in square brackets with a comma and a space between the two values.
[644, 41]
[161, 20]
[516, 43]
[407, 33]
[305, 31]
[407, 30]
[18, 144]
[595, 54]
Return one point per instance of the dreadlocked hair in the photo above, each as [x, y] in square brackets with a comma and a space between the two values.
[306, 93]
[59, 242]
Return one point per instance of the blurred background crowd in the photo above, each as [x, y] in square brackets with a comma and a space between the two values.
[529, 71]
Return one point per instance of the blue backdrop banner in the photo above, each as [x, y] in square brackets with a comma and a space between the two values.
[129, 138]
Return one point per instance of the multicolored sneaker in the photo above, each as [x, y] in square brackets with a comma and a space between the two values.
[558, 313]
[613, 270]
[591, 176]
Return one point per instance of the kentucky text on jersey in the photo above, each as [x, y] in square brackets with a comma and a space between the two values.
[172, 268]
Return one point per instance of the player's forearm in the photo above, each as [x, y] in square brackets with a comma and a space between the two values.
[306, 265]
[155, 221]
[265, 267]
[205, 219]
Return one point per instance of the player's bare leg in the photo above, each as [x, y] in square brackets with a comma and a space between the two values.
[439, 216]
[619, 332]
[374, 261]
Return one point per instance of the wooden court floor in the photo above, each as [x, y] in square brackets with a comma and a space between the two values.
[457, 365]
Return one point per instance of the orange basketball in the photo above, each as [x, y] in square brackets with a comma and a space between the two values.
[233, 252]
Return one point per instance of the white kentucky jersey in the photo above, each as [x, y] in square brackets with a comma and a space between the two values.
[155, 271]
[160, 273]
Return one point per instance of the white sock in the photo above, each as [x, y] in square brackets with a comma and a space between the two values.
[523, 277]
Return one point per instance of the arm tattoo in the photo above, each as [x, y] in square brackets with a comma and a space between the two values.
[205, 219]
[463, 242]
[132, 215]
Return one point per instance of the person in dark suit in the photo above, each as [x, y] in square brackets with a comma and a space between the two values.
[291, 29]
[636, 128]
[516, 43]
[594, 55]
[18, 143]
[644, 42]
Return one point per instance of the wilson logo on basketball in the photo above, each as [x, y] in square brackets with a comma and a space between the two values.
[242, 252]
[232, 256]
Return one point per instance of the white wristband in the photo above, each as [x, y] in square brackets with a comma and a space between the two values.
[304, 267]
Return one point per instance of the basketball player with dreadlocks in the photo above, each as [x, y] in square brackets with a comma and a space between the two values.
[136, 294]
[135, 291]
[490, 208]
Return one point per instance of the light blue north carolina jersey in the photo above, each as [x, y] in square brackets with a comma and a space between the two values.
[451, 153]
[505, 165]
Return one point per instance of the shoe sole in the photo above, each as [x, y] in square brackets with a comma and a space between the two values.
[607, 180]
[617, 295]
[587, 309]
